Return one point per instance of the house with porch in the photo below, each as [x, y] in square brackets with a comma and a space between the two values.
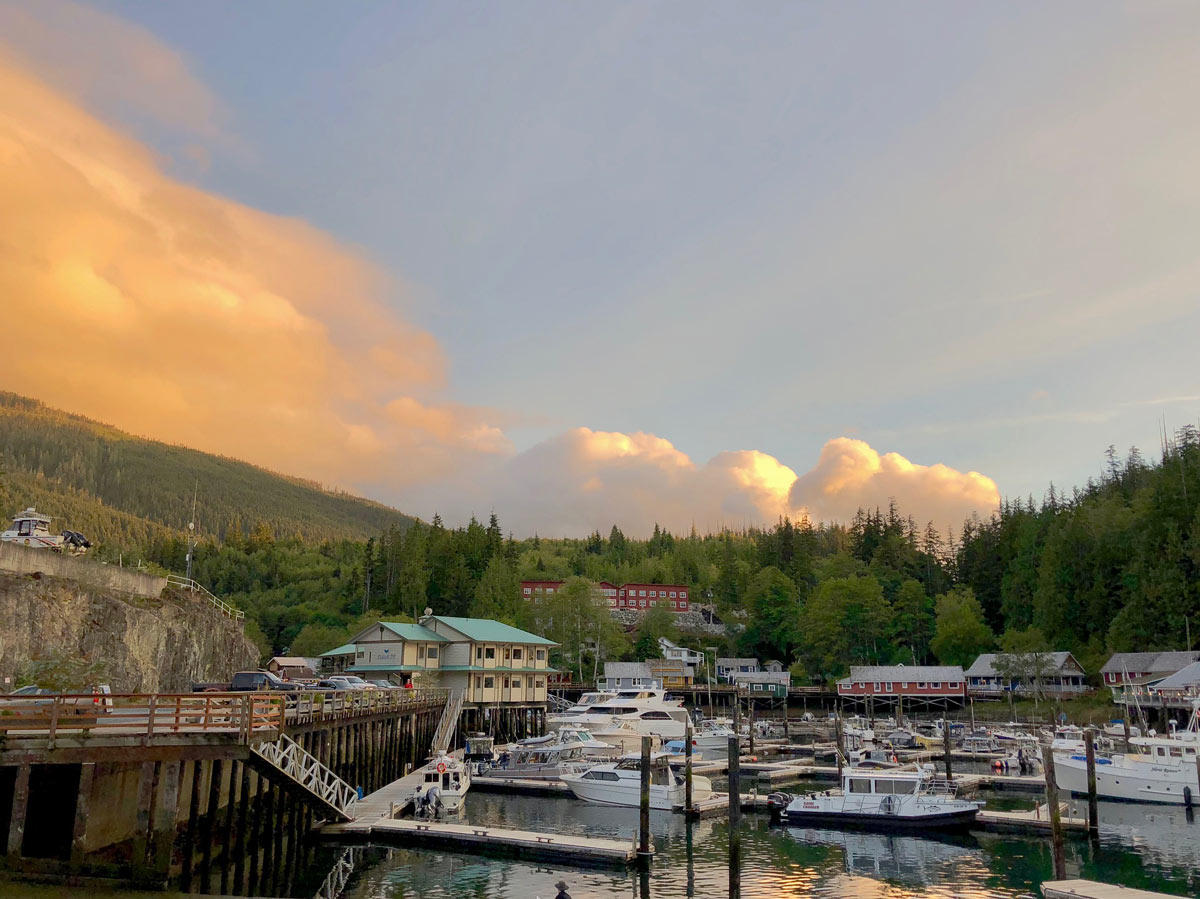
[1054, 673]
[763, 684]
[627, 676]
[726, 668]
[491, 662]
[671, 672]
[1144, 667]
[915, 682]
[678, 653]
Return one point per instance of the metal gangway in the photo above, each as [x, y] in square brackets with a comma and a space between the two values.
[304, 772]
[444, 735]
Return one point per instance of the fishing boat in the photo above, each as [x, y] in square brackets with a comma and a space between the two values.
[620, 783]
[444, 787]
[979, 743]
[1163, 769]
[31, 528]
[711, 737]
[896, 799]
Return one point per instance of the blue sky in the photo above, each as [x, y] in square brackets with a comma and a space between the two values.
[960, 233]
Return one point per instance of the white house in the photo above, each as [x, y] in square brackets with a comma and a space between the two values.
[677, 653]
[726, 668]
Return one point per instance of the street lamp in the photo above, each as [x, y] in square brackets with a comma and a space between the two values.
[712, 650]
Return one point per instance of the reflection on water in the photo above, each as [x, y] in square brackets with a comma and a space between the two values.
[1143, 847]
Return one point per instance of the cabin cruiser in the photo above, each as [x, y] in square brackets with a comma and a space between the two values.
[620, 783]
[444, 787]
[567, 751]
[597, 708]
[644, 712]
[586, 701]
[31, 528]
[895, 799]
[977, 743]
[711, 737]
[1161, 769]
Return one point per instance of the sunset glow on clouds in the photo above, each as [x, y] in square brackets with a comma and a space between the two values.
[187, 317]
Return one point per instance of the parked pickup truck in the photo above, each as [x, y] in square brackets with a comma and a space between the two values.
[248, 682]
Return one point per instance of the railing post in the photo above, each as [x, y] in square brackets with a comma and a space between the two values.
[152, 708]
[53, 722]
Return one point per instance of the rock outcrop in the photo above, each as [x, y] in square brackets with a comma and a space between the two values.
[161, 644]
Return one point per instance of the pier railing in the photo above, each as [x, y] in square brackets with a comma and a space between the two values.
[245, 716]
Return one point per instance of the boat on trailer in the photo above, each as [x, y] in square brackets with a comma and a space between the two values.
[892, 799]
[31, 528]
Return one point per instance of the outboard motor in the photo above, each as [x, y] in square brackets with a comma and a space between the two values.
[777, 804]
[75, 540]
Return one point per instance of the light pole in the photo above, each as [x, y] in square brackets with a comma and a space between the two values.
[711, 660]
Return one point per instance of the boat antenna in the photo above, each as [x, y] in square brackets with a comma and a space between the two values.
[192, 529]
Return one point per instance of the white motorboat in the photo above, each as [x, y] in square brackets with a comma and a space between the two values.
[711, 737]
[620, 783]
[645, 712]
[1162, 769]
[895, 799]
[566, 751]
[979, 743]
[31, 528]
[445, 786]
[583, 707]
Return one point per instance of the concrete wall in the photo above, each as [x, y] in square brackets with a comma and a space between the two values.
[23, 560]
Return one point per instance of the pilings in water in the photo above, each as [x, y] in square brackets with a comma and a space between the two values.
[644, 817]
[1089, 745]
[947, 747]
[1056, 831]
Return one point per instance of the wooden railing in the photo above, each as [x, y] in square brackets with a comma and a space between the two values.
[246, 716]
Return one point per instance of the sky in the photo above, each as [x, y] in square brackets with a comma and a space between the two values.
[585, 264]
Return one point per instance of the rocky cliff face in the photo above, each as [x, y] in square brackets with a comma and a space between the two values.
[150, 645]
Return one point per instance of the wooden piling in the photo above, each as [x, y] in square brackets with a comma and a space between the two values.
[20, 807]
[735, 782]
[750, 702]
[1056, 832]
[947, 747]
[687, 771]
[1125, 727]
[1089, 746]
[164, 823]
[141, 836]
[644, 818]
[87, 774]
[193, 825]
[839, 738]
[243, 826]
[211, 807]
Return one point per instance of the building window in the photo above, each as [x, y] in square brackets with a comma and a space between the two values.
[478, 653]
[431, 653]
[507, 653]
[490, 652]
[654, 593]
[683, 594]
[888, 686]
[674, 604]
[528, 591]
[876, 686]
[935, 685]
[506, 683]
[921, 685]
[643, 602]
[540, 683]
[642, 593]
[488, 683]
[516, 654]
[359, 654]
[672, 593]
[904, 685]
[541, 655]
[516, 683]
[478, 681]
[420, 653]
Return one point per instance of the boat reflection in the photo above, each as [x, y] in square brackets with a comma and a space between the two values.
[902, 859]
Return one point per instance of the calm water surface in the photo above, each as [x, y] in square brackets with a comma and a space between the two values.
[1141, 846]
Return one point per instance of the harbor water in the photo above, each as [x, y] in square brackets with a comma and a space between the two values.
[1149, 847]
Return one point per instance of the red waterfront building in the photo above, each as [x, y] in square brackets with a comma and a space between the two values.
[909, 681]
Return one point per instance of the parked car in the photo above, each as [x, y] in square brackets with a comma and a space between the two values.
[383, 684]
[247, 682]
[333, 685]
[351, 681]
[95, 700]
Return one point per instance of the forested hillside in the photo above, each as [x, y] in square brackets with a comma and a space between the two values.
[125, 492]
[1112, 565]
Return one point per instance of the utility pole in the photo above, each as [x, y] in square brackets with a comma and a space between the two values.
[192, 530]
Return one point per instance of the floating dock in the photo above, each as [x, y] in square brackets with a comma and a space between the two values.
[1089, 889]
[1035, 821]
[561, 848]
[528, 786]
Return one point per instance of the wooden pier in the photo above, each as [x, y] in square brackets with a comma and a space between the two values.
[1089, 889]
[1035, 821]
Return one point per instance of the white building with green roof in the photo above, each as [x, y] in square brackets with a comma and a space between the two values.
[494, 664]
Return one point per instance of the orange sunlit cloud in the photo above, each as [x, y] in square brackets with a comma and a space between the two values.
[185, 316]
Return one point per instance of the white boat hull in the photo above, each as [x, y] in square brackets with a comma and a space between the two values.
[626, 794]
[1129, 780]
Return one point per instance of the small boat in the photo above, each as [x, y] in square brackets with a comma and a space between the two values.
[897, 799]
[444, 787]
[711, 737]
[620, 783]
[979, 743]
[31, 528]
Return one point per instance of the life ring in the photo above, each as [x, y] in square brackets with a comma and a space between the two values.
[441, 767]
[26, 541]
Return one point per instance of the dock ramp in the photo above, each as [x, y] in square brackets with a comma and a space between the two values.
[444, 734]
[304, 774]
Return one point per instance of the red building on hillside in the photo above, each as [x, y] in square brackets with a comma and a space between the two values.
[630, 596]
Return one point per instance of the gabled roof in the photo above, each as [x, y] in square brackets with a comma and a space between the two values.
[626, 669]
[736, 663]
[484, 630]
[763, 677]
[348, 650]
[404, 630]
[290, 662]
[1185, 677]
[985, 665]
[1149, 662]
[904, 673]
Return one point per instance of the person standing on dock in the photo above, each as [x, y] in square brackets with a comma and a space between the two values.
[561, 886]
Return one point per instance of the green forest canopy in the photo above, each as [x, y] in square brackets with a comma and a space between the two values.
[1111, 566]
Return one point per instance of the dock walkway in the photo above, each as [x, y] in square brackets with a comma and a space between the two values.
[1035, 821]
[564, 848]
[1089, 889]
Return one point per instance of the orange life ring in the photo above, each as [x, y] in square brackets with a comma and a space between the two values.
[441, 767]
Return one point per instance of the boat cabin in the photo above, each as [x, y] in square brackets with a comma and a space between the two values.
[894, 782]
